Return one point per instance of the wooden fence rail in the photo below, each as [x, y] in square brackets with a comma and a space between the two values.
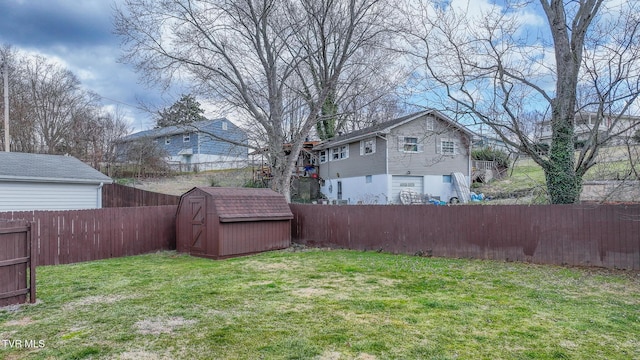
[604, 236]
[64, 237]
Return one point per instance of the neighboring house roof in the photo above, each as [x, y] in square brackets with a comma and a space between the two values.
[48, 168]
[171, 130]
[386, 127]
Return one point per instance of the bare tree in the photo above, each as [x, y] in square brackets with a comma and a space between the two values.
[55, 102]
[255, 55]
[497, 70]
[50, 112]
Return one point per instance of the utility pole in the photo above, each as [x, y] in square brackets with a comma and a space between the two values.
[7, 138]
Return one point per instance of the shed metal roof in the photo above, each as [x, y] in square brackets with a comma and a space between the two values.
[16, 166]
[247, 204]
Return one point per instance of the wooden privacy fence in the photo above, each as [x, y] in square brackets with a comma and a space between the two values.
[17, 267]
[604, 235]
[64, 237]
[116, 195]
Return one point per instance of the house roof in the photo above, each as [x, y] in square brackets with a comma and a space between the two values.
[171, 130]
[48, 168]
[385, 128]
[247, 204]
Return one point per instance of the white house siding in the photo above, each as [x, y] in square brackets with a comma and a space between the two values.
[205, 162]
[429, 186]
[24, 196]
[357, 190]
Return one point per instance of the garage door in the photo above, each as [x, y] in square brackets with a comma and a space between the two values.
[399, 183]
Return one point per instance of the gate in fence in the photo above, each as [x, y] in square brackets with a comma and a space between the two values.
[17, 265]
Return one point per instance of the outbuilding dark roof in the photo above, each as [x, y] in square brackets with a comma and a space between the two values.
[16, 166]
[248, 204]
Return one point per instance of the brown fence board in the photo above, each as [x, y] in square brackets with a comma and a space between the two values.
[63, 237]
[17, 271]
[116, 195]
[581, 235]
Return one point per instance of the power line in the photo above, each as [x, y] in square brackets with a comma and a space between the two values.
[124, 103]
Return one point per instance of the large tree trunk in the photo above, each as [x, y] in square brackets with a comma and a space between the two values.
[563, 182]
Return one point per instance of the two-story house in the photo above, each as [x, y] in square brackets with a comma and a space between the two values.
[423, 153]
[203, 145]
[620, 127]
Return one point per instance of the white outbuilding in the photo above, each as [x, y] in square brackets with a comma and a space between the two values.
[48, 182]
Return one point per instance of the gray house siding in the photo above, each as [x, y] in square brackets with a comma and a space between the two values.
[356, 164]
[429, 159]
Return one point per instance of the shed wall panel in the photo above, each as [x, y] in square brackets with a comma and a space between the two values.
[251, 237]
[23, 196]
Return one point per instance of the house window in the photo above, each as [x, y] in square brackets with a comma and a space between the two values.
[368, 179]
[224, 125]
[368, 146]
[323, 156]
[340, 152]
[447, 147]
[167, 140]
[410, 144]
[186, 138]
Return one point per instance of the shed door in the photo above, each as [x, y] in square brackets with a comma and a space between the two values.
[198, 233]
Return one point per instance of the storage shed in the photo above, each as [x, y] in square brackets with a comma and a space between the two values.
[217, 223]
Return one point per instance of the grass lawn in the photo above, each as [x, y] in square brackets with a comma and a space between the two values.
[325, 304]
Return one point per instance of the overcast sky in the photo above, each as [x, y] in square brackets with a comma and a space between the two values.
[79, 35]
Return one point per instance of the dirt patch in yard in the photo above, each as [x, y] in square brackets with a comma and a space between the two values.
[20, 322]
[141, 355]
[90, 300]
[161, 325]
[310, 292]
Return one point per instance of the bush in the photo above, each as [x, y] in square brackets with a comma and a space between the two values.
[213, 181]
[500, 157]
[251, 183]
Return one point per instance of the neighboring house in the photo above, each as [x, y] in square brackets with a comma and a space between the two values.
[422, 154]
[48, 182]
[193, 148]
[621, 129]
[490, 142]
